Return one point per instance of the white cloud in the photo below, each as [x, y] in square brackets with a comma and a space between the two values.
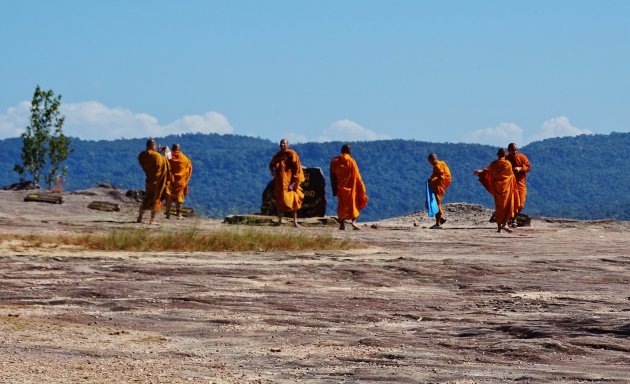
[14, 121]
[348, 130]
[92, 120]
[295, 138]
[558, 127]
[210, 122]
[340, 130]
[500, 135]
[505, 133]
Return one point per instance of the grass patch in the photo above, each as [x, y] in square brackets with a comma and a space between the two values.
[192, 240]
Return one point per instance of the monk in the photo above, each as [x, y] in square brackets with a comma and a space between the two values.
[347, 185]
[181, 168]
[498, 178]
[520, 167]
[439, 181]
[287, 171]
[158, 175]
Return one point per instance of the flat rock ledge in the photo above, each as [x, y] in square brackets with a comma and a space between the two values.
[272, 220]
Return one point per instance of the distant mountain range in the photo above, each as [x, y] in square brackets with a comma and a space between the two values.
[583, 177]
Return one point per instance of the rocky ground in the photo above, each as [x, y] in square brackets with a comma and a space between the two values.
[545, 304]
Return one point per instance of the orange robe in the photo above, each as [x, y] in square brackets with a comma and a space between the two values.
[499, 180]
[440, 181]
[181, 168]
[288, 175]
[348, 186]
[158, 177]
[520, 160]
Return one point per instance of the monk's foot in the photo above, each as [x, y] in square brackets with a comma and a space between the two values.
[296, 225]
[139, 221]
[342, 226]
[180, 217]
[154, 222]
[442, 220]
[436, 226]
[507, 229]
[355, 227]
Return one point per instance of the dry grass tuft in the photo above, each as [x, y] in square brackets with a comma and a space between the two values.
[190, 240]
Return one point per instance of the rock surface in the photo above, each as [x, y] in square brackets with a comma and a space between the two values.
[547, 303]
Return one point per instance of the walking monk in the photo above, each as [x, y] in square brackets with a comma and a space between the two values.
[158, 175]
[287, 171]
[520, 167]
[498, 178]
[348, 186]
[439, 181]
[181, 168]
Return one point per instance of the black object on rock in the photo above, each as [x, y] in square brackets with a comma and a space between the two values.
[314, 204]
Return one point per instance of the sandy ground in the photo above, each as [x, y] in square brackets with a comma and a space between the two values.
[545, 304]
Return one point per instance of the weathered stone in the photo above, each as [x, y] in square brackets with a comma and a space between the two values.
[105, 206]
[136, 194]
[270, 220]
[314, 204]
[44, 198]
[185, 211]
[21, 186]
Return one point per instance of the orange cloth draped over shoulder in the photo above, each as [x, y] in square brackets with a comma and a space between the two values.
[181, 168]
[158, 177]
[288, 175]
[498, 178]
[520, 160]
[439, 181]
[348, 185]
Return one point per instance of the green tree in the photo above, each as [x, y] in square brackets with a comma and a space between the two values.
[44, 138]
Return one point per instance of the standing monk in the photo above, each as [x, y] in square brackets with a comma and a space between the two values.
[181, 168]
[158, 175]
[348, 186]
[498, 178]
[439, 181]
[287, 171]
[520, 167]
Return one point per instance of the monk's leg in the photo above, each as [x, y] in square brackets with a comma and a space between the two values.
[439, 216]
[178, 206]
[354, 225]
[295, 223]
[153, 220]
[169, 202]
[140, 214]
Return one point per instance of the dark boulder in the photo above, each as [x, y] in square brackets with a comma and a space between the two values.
[21, 186]
[314, 204]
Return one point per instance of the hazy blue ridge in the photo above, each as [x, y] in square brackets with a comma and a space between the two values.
[583, 177]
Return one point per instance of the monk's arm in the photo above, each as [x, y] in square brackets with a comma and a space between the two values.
[525, 167]
[333, 180]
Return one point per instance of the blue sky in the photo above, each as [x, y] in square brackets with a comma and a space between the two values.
[486, 72]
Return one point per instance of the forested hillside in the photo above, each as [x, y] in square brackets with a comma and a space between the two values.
[574, 177]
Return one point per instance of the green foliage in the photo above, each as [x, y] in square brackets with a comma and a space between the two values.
[44, 138]
[58, 151]
[582, 177]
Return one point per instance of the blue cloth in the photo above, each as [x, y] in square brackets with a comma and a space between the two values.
[431, 203]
